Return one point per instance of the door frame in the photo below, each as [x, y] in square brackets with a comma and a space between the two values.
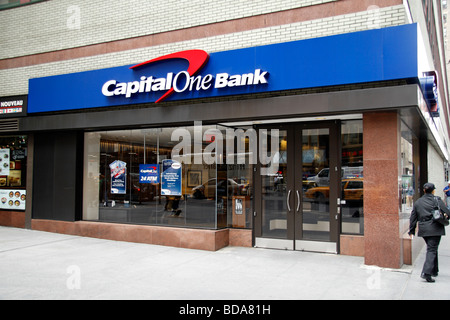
[294, 239]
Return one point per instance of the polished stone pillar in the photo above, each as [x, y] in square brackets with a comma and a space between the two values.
[382, 136]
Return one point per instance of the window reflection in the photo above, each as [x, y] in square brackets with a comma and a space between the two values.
[316, 202]
[408, 183]
[352, 178]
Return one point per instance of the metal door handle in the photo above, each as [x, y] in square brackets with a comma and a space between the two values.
[298, 200]
[287, 200]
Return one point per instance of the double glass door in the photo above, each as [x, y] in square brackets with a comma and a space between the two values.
[296, 198]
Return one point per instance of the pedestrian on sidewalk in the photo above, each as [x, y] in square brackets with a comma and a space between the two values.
[430, 230]
[447, 194]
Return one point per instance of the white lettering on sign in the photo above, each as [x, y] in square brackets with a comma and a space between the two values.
[225, 80]
[149, 179]
[182, 82]
[11, 106]
[13, 103]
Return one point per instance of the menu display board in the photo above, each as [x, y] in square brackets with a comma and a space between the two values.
[4, 162]
[12, 199]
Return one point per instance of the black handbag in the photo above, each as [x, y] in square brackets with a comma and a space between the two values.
[438, 216]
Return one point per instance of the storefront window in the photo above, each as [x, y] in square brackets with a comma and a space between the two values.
[162, 176]
[352, 178]
[13, 168]
[410, 185]
[237, 167]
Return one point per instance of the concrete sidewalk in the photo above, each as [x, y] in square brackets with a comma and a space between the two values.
[41, 265]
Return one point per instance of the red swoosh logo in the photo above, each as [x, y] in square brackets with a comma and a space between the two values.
[196, 58]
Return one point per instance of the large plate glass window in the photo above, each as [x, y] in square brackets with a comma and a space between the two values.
[174, 176]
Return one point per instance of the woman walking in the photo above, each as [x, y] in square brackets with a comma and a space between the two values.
[429, 229]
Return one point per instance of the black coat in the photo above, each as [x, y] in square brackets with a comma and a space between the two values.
[422, 213]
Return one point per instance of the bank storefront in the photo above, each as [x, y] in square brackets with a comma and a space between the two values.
[275, 146]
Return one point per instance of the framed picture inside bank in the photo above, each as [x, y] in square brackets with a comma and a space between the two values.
[194, 178]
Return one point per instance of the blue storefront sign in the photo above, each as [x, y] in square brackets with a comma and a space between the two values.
[430, 91]
[149, 173]
[171, 178]
[359, 57]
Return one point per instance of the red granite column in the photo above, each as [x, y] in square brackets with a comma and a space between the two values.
[381, 193]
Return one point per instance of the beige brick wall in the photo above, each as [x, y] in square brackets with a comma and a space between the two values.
[61, 24]
[17, 79]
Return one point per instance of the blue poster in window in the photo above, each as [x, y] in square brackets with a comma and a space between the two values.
[149, 173]
[171, 178]
[118, 177]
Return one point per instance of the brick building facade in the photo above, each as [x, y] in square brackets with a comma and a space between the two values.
[384, 126]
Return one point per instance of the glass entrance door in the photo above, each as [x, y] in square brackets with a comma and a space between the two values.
[316, 227]
[297, 205]
[275, 191]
